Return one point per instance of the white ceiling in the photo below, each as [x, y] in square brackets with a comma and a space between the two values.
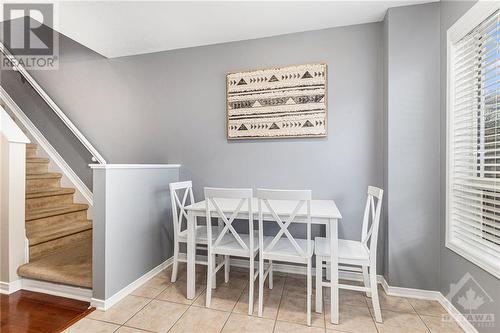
[122, 28]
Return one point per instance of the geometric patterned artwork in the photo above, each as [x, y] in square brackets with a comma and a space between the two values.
[286, 102]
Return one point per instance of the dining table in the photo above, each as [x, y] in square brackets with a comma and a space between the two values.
[323, 212]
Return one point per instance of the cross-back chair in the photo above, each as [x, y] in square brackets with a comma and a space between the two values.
[283, 246]
[358, 256]
[181, 195]
[228, 241]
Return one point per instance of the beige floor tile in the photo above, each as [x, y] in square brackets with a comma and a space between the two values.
[125, 329]
[439, 325]
[351, 319]
[401, 319]
[240, 323]
[293, 309]
[223, 299]
[391, 329]
[239, 283]
[286, 327]
[153, 287]
[91, 326]
[203, 320]
[177, 292]
[271, 303]
[157, 316]
[392, 303]
[348, 297]
[122, 311]
[427, 307]
[278, 282]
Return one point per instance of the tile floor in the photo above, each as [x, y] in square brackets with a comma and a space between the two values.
[161, 306]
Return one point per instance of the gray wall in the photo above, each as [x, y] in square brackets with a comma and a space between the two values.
[132, 225]
[412, 130]
[453, 266]
[169, 107]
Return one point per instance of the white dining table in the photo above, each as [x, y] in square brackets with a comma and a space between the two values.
[323, 212]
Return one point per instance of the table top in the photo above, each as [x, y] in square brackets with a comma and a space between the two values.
[319, 208]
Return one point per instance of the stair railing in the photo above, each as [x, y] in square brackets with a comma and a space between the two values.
[96, 157]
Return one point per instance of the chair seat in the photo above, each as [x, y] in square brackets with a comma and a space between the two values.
[201, 234]
[229, 245]
[348, 249]
[285, 251]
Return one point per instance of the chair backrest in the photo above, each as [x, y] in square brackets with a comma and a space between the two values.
[270, 199]
[180, 192]
[241, 198]
[371, 220]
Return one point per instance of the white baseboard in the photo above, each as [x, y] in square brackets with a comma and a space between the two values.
[58, 164]
[109, 302]
[56, 289]
[410, 292]
[10, 287]
[455, 314]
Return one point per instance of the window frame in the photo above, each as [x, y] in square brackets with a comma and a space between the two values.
[470, 20]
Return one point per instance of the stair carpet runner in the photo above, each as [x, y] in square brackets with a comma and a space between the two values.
[58, 231]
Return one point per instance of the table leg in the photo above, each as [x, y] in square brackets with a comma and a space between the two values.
[334, 271]
[191, 256]
[327, 235]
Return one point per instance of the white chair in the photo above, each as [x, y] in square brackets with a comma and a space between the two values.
[184, 190]
[283, 246]
[355, 253]
[228, 241]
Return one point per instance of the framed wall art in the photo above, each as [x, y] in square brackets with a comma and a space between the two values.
[286, 102]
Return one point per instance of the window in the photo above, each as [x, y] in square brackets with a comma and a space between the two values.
[473, 145]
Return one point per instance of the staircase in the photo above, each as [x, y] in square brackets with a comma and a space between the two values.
[58, 231]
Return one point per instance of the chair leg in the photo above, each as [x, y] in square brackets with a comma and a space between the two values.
[271, 274]
[227, 264]
[374, 292]
[173, 278]
[214, 279]
[319, 284]
[209, 281]
[261, 285]
[251, 286]
[309, 291]
[366, 279]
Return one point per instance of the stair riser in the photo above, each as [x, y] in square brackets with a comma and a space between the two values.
[30, 152]
[32, 168]
[40, 250]
[40, 224]
[35, 184]
[38, 237]
[49, 202]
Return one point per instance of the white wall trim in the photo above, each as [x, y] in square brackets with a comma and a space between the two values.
[10, 287]
[106, 304]
[455, 314]
[82, 191]
[57, 289]
[134, 166]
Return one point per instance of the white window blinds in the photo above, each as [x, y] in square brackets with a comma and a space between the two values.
[473, 216]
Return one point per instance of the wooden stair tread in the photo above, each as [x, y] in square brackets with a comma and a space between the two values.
[31, 146]
[48, 234]
[44, 175]
[48, 192]
[37, 160]
[70, 266]
[53, 211]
